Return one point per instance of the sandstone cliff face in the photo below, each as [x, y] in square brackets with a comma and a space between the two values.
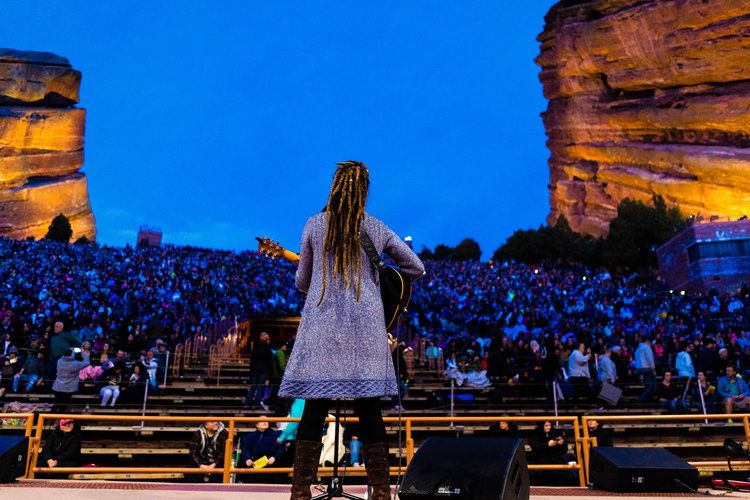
[647, 97]
[41, 146]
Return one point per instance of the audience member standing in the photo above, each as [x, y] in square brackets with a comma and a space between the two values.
[607, 371]
[261, 367]
[578, 368]
[61, 341]
[684, 362]
[66, 381]
[280, 358]
[646, 369]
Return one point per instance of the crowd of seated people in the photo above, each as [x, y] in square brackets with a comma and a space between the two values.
[529, 326]
[121, 307]
[526, 326]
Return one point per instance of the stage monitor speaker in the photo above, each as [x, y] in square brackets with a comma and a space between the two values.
[640, 469]
[13, 452]
[467, 468]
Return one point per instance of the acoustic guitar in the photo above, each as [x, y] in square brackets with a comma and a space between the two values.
[395, 285]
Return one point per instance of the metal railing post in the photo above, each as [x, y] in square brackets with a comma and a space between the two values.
[166, 369]
[703, 401]
[554, 398]
[579, 457]
[228, 448]
[145, 398]
[37, 441]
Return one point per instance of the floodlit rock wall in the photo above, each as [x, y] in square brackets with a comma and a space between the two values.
[647, 97]
[41, 146]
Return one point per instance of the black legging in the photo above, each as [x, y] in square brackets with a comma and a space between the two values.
[371, 426]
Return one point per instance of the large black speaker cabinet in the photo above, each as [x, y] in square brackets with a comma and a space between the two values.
[467, 468]
[640, 469]
[13, 452]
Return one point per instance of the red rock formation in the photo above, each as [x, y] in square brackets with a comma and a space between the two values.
[41, 146]
[647, 97]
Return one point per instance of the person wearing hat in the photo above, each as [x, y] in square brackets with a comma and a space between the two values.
[63, 446]
[11, 365]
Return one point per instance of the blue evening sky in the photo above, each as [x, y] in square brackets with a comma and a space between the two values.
[219, 121]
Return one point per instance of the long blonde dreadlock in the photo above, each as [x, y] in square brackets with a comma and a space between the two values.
[344, 213]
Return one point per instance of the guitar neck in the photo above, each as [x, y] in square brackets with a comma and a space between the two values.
[290, 256]
[270, 248]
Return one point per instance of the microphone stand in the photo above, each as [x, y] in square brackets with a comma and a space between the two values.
[335, 487]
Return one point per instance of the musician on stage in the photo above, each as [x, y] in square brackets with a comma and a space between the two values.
[342, 349]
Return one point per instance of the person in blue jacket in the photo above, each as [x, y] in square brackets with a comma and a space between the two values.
[262, 442]
[733, 390]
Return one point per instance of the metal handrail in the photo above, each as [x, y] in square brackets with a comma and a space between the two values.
[228, 469]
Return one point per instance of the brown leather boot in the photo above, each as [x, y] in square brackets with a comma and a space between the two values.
[376, 464]
[306, 456]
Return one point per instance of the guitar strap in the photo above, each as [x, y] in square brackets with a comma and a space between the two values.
[370, 250]
[372, 253]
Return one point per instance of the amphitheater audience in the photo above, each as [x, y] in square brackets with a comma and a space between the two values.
[684, 362]
[207, 451]
[519, 322]
[67, 378]
[578, 371]
[62, 447]
[261, 447]
[151, 364]
[704, 394]
[135, 390]
[31, 372]
[503, 428]
[734, 391]
[110, 381]
[670, 395]
[549, 444]
[261, 368]
[61, 341]
[606, 370]
[645, 367]
[603, 437]
[12, 365]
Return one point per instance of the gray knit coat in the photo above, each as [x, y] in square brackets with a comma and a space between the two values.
[341, 349]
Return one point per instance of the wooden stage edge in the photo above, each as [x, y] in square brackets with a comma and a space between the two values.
[85, 490]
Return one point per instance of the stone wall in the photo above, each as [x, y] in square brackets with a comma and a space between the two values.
[41, 146]
[647, 97]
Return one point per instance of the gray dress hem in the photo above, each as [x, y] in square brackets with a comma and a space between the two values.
[341, 389]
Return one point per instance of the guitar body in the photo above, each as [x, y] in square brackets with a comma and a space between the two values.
[395, 290]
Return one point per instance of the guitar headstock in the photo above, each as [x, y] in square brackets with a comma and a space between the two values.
[269, 247]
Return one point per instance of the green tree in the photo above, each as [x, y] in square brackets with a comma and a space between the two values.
[550, 243]
[83, 240]
[426, 253]
[443, 252]
[525, 245]
[59, 229]
[637, 231]
[468, 249]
